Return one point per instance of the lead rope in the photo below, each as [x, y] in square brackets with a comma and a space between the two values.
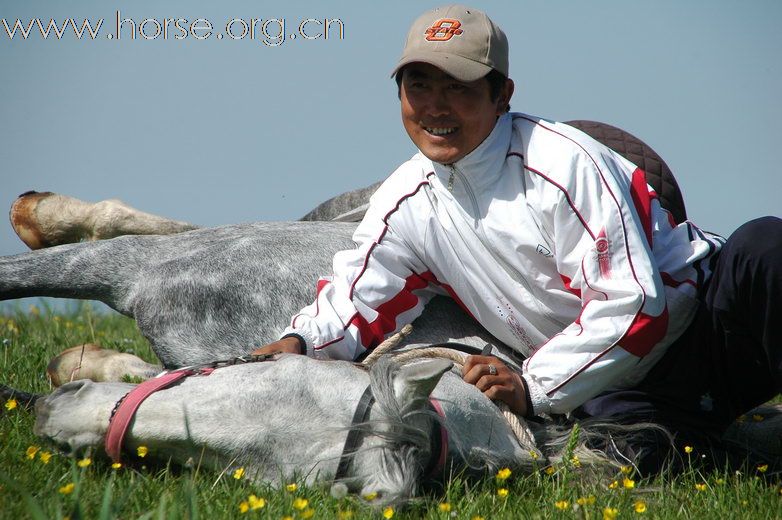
[517, 424]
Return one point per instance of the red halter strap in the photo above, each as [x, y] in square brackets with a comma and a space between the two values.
[126, 407]
[438, 467]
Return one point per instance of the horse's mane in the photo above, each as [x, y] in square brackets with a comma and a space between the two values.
[401, 466]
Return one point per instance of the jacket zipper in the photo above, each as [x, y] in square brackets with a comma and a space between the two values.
[513, 273]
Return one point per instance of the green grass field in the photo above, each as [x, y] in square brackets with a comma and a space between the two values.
[37, 482]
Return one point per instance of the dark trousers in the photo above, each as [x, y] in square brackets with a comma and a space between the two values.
[730, 358]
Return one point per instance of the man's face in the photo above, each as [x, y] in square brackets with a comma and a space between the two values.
[447, 118]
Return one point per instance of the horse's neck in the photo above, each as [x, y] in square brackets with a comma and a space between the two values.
[273, 418]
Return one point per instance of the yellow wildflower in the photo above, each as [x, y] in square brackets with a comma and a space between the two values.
[763, 468]
[478, 517]
[244, 507]
[45, 456]
[292, 487]
[688, 449]
[626, 470]
[11, 404]
[586, 501]
[369, 497]
[639, 506]
[575, 461]
[757, 417]
[444, 507]
[31, 452]
[116, 465]
[34, 310]
[502, 492]
[550, 470]
[300, 503]
[388, 513]
[287, 517]
[83, 463]
[610, 513]
[255, 502]
[628, 483]
[345, 515]
[534, 454]
[719, 481]
[239, 473]
[700, 487]
[503, 474]
[562, 504]
[613, 485]
[142, 451]
[307, 513]
[67, 489]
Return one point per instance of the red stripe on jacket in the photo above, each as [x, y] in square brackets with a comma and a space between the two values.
[643, 202]
[373, 333]
[644, 333]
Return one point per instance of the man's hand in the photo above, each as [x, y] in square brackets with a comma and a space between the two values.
[289, 345]
[505, 385]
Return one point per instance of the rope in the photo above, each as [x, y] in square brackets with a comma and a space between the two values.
[517, 424]
[387, 346]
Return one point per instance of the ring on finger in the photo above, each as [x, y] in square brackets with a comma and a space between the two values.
[492, 370]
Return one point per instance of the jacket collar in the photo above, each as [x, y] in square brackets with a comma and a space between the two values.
[483, 165]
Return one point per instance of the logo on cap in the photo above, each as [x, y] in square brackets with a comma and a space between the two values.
[443, 30]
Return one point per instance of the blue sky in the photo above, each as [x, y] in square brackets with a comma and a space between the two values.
[223, 131]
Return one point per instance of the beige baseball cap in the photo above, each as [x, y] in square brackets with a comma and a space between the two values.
[459, 40]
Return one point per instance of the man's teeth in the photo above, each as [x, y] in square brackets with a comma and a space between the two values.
[440, 131]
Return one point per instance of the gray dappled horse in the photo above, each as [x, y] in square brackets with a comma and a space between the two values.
[217, 293]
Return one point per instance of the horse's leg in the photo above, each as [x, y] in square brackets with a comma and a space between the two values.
[48, 219]
[103, 271]
[90, 361]
[207, 294]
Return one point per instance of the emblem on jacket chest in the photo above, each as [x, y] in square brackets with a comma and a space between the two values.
[603, 254]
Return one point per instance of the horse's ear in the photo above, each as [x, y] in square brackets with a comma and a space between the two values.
[414, 382]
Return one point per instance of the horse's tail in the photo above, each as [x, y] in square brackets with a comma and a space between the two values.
[24, 399]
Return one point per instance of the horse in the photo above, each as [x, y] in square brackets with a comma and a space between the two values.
[216, 293]
[280, 427]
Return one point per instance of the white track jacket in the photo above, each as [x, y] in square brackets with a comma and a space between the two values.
[551, 241]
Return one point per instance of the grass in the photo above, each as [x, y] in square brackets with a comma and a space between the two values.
[34, 485]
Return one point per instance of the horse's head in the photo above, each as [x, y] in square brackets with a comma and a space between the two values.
[75, 416]
[399, 438]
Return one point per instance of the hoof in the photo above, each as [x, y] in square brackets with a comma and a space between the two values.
[73, 364]
[25, 222]
[90, 361]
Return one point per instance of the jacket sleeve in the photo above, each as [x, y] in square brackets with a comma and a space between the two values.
[601, 225]
[375, 289]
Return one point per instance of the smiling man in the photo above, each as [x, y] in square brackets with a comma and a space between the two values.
[556, 245]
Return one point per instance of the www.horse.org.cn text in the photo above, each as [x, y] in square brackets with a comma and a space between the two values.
[271, 32]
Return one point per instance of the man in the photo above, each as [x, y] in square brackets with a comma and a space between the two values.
[555, 244]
